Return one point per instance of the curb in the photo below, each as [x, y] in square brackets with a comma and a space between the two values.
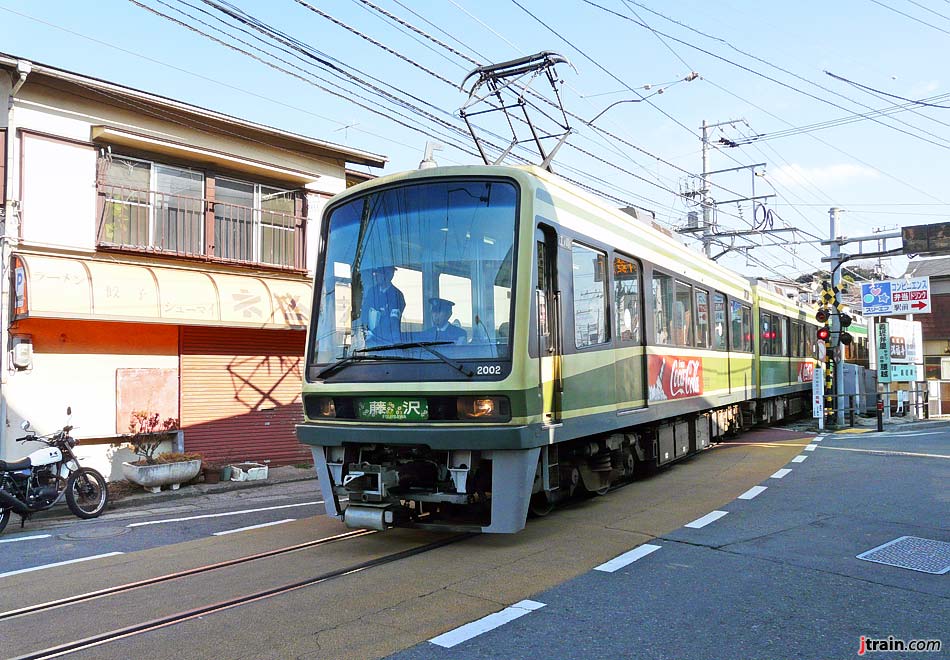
[184, 493]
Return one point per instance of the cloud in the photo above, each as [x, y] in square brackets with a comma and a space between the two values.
[925, 88]
[796, 175]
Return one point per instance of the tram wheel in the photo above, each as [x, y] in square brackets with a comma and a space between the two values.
[540, 505]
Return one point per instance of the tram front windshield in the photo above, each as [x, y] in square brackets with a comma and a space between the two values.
[419, 263]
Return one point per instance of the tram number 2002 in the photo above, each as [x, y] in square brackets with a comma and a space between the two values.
[488, 370]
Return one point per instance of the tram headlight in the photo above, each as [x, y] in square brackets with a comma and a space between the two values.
[483, 408]
[322, 406]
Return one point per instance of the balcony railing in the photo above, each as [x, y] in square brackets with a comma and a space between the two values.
[191, 227]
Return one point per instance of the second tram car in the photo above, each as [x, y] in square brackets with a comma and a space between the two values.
[488, 340]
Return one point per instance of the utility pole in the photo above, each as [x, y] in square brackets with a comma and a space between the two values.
[836, 329]
[709, 204]
[704, 200]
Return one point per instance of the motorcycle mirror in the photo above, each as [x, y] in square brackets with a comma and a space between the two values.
[25, 425]
[69, 410]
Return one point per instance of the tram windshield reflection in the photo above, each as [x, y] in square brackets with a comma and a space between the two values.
[431, 261]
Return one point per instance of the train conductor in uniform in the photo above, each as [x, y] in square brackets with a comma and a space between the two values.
[382, 309]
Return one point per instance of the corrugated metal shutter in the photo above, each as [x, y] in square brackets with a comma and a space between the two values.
[240, 393]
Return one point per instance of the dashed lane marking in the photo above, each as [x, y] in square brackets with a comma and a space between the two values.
[59, 563]
[780, 473]
[752, 492]
[221, 515]
[244, 529]
[627, 558]
[483, 625]
[26, 538]
[810, 447]
[887, 452]
[799, 459]
[705, 520]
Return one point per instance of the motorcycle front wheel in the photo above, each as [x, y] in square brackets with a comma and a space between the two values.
[86, 493]
[4, 518]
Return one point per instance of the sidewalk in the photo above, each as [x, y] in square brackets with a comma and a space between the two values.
[136, 496]
[867, 424]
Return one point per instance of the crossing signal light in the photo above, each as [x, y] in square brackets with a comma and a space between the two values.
[824, 334]
[822, 315]
[845, 320]
[846, 338]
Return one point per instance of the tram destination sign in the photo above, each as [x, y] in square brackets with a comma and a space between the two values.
[890, 297]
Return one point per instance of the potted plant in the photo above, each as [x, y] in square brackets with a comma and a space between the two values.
[212, 472]
[153, 470]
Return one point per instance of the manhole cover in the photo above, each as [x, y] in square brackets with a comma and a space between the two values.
[914, 553]
[94, 533]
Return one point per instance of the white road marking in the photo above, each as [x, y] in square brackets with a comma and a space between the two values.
[221, 515]
[59, 563]
[818, 438]
[799, 459]
[705, 520]
[483, 625]
[752, 492]
[26, 538]
[781, 473]
[627, 558]
[887, 452]
[810, 447]
[908, 435]
[244, 529]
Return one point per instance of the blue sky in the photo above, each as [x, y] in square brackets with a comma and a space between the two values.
[882, 175]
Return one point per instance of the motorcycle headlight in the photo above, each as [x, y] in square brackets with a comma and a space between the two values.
[483, 408]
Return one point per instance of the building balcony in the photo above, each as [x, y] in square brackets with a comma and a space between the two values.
[184, 226]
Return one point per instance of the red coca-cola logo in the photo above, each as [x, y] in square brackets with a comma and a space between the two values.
[806, 372]
[674, 377]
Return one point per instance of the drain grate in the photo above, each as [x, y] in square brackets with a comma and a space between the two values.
[913, 553]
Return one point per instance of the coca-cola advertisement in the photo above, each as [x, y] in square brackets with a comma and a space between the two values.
[806, 371]
[674, 377]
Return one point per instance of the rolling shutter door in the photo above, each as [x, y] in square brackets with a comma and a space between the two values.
[240, 393]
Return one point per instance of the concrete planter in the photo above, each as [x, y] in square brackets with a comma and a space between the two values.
[153, 477]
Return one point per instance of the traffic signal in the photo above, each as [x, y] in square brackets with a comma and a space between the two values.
[823, 334]
[822, 315]
[844, 319]
[845, 338]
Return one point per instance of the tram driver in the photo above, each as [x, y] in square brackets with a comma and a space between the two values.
[440, 310]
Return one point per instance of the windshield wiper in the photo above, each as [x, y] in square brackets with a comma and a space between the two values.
[345, 362]
[427, 345]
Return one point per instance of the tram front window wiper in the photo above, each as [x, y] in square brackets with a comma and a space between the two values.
[350, 359]
[427, 345]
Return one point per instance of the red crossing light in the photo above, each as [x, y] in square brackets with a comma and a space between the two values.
[824, 334]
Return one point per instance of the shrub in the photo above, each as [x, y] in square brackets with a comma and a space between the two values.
[148, 430]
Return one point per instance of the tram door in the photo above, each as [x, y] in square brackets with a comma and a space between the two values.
[547, 301]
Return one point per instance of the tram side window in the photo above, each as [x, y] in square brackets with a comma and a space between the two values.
[766, 334]
[741, 319]
[590, 296]
[782, 340]
[663, 307]
[746, 329]
[719, 322]
[627, 299]
[683, 315]
[702, 318]
[795, 338]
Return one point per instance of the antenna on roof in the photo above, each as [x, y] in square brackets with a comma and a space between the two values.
[502, 88]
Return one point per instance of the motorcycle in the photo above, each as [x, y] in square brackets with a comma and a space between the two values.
[42, 479]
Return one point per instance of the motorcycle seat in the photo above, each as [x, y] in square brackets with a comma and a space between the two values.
[23, 464]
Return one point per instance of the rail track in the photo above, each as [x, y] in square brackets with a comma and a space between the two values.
[23, 616]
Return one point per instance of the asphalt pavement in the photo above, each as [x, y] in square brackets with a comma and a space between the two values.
[773, 574]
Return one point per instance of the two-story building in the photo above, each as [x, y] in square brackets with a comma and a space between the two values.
[157, 257]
